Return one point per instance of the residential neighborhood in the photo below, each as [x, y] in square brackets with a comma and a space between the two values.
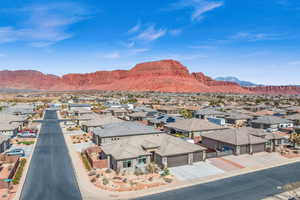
[123, 147]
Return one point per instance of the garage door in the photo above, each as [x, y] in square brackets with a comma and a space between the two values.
[178, 160]
[197, 156]
[258, 148]
[244, 149]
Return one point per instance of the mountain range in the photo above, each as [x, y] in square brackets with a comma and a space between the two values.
[236, 80]
[162, 76]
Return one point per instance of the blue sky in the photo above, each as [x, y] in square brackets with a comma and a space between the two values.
[255, 40]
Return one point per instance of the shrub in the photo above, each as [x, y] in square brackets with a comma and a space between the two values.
[168, 180]
[138, 172]
[85, 162]
[166, 172]
[108, 171]
[26, 142]
[98, 175]
[19, 172]
[92, 173]
[93, 180]
[105, 181]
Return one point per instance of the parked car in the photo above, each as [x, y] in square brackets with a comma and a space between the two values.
[27, 134]
[16, 152]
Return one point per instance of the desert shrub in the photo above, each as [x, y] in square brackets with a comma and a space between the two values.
[166, 172]
[168, 180]
[85, 162]
[138, 172]
[98, 175]
[108, 171]
[19, 172]
[93, 180]
[105, 181]
[92, 173]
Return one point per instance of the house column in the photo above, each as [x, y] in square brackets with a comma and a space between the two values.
[190, 158]
[165, 162]
[237, 150]
[250, 149]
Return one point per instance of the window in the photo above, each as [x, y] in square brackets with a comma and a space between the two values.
[142, 160]
[127, 164]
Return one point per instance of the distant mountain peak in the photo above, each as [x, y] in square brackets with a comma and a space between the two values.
[235, 80]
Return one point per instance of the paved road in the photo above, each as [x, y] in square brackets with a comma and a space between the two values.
[50, 175]
[253, 186]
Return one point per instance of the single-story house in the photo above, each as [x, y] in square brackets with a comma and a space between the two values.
[113, 132]
[163, 149]
[191, 127]
[295, 118]
[209, 113]
[238, 119]
[161, 120]
[97, 121]
[271, 122]
[237, 140]
[169, 109]
[140, 116]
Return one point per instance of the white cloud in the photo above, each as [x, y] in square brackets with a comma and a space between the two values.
[113, 55]
[138, 51]
[199, 7]
[135, 28]
[43, 24]
[252, 37]
[151, 34]
[175, 32]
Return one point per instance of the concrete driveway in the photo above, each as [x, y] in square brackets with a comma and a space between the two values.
[197, 170]
[28, 149]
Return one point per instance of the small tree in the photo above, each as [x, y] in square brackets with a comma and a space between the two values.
[186, 113]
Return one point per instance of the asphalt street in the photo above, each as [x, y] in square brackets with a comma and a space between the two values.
[50, 175]
[253, 186]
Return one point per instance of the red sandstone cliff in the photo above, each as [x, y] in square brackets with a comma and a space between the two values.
[163, 76]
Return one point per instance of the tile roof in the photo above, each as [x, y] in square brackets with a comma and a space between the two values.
[134, 146]
[124, 128]
[237, 136]
[194, 125]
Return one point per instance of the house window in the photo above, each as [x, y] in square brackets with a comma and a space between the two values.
[142, 160]
[127, 164]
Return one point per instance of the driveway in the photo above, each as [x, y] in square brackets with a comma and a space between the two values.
[27, 149]
[197, 170]
[257, 160]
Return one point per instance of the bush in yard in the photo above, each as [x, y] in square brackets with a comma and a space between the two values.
[168, 180]
[138, 172]
[85, 162]
[92, 173]
[108, 171]
[19, 172]
[105, 181]
[166, 172]
[98, 175]
[93, 180]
